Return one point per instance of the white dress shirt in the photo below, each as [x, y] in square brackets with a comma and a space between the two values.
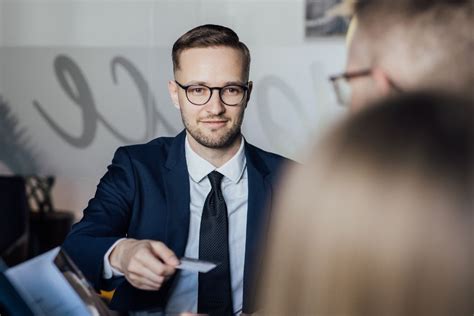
[184, 293]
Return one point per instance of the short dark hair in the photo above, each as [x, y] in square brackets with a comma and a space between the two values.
[210, 35]
[438, 30]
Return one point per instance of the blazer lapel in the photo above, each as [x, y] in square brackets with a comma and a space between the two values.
[176, 180]
[259, 200]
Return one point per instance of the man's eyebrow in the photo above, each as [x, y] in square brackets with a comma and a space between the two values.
[228, 83]
[237, 83]
[196, 83]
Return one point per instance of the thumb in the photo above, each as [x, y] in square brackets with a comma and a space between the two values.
[164, 253]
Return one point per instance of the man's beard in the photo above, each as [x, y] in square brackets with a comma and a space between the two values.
[221, 142]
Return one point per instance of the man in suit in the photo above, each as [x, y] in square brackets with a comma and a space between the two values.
[406, 45]
[201, 194]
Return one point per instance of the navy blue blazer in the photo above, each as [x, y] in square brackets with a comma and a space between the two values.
[145, 195]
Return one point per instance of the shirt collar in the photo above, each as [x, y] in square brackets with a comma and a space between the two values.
[199, 167]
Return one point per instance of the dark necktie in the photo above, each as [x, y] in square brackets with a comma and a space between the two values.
[215, 293]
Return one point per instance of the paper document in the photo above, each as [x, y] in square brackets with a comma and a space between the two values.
[52, 285]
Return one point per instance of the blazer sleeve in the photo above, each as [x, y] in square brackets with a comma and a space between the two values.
[105, 220]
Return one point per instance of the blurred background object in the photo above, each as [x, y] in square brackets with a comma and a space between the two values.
[327, 17]
[48, 226]
[14, 220]
[25, 233]
[29, 224]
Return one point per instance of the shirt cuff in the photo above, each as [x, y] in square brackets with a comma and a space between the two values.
[109, 272]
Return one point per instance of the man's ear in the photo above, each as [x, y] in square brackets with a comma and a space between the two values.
[173, 91]
[382, 81]
[249, 92]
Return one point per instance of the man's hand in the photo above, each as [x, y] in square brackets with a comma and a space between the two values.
[146, 264]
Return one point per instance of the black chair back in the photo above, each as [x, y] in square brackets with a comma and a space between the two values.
[14, 219]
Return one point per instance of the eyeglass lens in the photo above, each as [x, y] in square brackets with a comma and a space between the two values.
[200, 95]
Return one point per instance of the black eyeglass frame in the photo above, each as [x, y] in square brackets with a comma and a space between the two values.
[351, 75]
[346, 76]
[245, 87]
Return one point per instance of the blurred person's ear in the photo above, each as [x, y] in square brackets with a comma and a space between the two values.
[382, 81]
[366, 90]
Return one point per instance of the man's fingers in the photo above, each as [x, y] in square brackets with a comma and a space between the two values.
[140, 282]
[150, 275]
[140, 267]
[164, 253]
[145, 288]
[149, 264]
[154, 264]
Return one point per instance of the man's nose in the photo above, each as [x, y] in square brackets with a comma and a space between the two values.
[215, 105]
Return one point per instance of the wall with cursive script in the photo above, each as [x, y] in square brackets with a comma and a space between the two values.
[80, 78]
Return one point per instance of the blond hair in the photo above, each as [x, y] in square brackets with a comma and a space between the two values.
[380, 221]
[420, 43]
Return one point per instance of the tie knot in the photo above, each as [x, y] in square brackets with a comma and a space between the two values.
[215, 178]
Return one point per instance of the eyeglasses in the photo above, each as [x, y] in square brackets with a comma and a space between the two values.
[200, 94]
[342, 87]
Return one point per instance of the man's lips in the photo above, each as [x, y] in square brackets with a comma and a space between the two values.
[214, 122]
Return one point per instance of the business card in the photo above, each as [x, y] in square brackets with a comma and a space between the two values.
[197, 265]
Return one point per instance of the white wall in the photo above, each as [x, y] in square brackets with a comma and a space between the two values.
[147, 22]
[291, 103]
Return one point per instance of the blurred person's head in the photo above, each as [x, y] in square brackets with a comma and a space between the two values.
[380, 221]
[407, 45]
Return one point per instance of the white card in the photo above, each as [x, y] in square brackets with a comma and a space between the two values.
[196, 265]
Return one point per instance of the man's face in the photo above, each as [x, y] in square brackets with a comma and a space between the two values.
[364, 89]
[214, 124]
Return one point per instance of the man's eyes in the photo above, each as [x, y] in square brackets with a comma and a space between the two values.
[233, 90]
[228, 90]
[197, 90]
